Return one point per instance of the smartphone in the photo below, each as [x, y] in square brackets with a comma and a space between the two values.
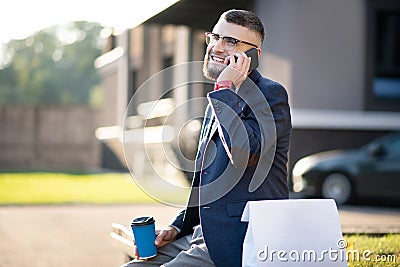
[253, 53]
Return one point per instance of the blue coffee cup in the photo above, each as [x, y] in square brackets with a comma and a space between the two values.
[144, 232]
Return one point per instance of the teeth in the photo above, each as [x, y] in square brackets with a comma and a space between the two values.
[218, 59]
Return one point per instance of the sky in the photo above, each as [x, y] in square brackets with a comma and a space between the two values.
[22, 18]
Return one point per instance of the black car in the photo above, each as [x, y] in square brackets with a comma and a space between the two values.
[372, 170]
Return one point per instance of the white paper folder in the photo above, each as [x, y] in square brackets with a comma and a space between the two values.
[300, 232]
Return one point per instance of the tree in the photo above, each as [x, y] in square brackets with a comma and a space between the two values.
[54, 66]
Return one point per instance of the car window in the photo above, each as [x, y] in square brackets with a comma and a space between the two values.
[392, 147]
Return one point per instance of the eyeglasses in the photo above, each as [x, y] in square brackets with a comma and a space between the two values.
[228, 42]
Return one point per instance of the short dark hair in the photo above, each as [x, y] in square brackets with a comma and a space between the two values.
[246, 19]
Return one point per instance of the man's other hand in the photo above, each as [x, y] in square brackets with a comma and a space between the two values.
[165, 236]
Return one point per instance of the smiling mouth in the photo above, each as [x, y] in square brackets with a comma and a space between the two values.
[217, 59]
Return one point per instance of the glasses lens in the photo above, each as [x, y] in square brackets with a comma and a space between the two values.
[229, 43]
[211, 38]
[207, 39]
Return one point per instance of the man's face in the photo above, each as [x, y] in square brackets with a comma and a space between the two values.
[216, 53]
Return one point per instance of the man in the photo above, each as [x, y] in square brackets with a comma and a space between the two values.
[242, 151]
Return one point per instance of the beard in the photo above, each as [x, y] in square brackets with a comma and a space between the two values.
[211, 70]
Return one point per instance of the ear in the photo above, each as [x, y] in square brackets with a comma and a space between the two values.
[259, 52]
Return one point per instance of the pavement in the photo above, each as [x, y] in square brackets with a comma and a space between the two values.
[78, 235]
[72, 235]
[370, 220]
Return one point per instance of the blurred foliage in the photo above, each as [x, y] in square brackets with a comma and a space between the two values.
[53, 66]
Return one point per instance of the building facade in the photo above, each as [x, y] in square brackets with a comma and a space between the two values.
[339, 61]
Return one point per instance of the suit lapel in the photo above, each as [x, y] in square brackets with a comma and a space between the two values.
[213, 127]
[205, 136]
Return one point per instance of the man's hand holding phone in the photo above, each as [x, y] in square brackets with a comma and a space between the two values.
[239, 64]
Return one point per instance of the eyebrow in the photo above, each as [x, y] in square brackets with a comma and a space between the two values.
[237, 40]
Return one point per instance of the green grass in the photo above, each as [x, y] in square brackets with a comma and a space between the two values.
[59, 188]
[378, 251]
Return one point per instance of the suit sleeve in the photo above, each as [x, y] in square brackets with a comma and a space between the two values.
[177, 222]
[238, 128]
[186, 220]
[250, 123]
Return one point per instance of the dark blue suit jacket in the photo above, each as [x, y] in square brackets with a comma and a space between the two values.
[242, 156]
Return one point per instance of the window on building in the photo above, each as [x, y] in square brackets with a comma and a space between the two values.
[383, 55]
[167, 77]
[131, 92]
[132, 85]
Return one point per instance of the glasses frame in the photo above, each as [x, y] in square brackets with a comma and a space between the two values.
[224, 38]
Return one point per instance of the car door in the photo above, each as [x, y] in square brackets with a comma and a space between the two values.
[381, 176]
[386, 168]
[390, 167]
